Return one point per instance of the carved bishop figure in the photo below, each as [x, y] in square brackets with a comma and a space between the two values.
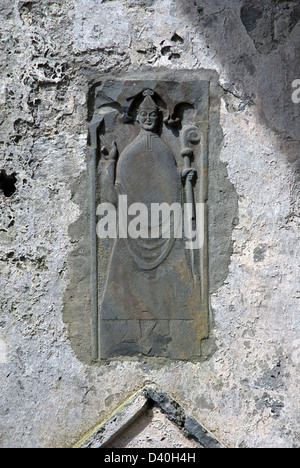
[151, 303]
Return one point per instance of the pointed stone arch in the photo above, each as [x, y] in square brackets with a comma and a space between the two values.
[125, 422]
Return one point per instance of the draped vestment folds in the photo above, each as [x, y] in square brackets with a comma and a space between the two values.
[151, 302]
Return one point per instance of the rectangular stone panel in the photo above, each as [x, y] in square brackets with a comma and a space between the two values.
[148, 162]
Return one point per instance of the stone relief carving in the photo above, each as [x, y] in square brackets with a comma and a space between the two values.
[148, 155]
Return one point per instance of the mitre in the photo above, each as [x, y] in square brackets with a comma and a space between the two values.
[148, 103]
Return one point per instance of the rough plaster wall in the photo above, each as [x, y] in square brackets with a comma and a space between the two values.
[247, 392]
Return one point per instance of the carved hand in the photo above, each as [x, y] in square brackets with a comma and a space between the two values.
[190, 174]
[113, 154]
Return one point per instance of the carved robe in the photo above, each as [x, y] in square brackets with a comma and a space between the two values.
[150, 304]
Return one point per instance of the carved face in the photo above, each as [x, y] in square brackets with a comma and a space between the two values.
[147, 119]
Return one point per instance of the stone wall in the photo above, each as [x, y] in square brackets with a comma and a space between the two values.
[51, 52]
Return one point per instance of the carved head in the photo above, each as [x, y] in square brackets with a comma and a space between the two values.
[148, 112]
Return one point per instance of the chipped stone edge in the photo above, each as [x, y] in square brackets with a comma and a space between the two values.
[189, 425]
[134, 407]
[121, 418]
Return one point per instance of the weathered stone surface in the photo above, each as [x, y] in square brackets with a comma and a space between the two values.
[117, 424]
[134, 313]
[149, 419]
[155, 298]
[154, 430]
[246, 391]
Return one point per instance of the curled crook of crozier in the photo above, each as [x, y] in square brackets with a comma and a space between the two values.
[190, 135]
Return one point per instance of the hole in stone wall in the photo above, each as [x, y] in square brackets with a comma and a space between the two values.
[177, 38]
[174, 56]
[7, 183]
[166, 50]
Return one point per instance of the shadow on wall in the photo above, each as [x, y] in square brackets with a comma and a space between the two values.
[257, 45]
